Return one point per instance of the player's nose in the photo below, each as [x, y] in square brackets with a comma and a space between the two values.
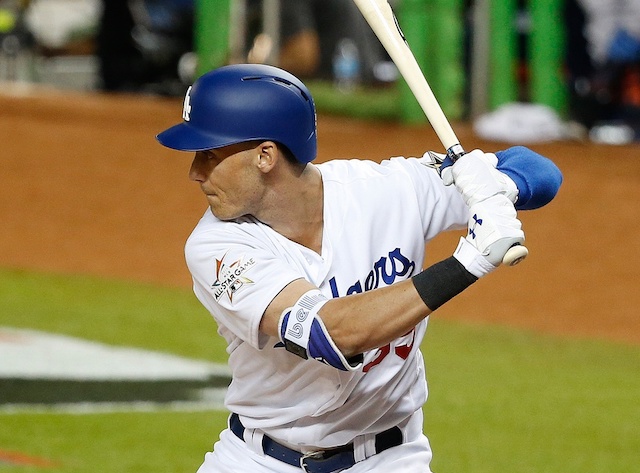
[196, 171]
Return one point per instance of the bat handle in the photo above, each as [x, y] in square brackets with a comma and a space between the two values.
[455, 152]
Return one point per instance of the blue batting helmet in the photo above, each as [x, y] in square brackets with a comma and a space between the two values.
[246, 102]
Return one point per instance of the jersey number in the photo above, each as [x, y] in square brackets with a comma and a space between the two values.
[401, 350]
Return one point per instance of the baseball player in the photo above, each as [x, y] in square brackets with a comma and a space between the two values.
[313, 273]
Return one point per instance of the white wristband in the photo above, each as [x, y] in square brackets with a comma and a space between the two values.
[472, 259]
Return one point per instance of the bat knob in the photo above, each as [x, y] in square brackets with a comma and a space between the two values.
[515, 255]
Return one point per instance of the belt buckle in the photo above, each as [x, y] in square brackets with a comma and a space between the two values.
[316, 455]
[321, 463]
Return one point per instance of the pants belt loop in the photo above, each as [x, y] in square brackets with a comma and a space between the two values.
[364, 446]
[370, 445]
[253, 438]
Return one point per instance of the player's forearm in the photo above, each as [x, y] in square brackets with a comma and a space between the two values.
[358, 322]
[338, 331]
[361, 322]
[369, 320]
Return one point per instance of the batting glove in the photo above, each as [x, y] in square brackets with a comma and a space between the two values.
[493, 229]
[476, 178]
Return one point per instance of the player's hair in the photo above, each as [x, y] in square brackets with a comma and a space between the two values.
[289, 156]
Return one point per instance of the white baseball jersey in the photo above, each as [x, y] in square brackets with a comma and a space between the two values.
[377, 218]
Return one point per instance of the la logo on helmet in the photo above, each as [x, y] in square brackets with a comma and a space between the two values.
[186, 108]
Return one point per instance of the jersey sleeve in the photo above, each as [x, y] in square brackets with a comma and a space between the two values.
[441, 207]
[236, 275]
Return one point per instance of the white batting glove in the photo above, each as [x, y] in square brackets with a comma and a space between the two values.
[476, 178]
[493, 229]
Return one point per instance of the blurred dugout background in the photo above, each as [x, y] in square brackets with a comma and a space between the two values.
[478, 55]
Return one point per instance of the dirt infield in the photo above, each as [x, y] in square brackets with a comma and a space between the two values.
[85, 188]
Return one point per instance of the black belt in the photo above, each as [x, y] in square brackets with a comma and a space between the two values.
[325, 461]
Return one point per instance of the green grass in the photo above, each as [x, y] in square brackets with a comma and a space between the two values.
[506, 400]
[501, 400]
[114, 312]
[159, 442]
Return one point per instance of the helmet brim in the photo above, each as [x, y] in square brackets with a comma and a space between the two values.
[183, 137]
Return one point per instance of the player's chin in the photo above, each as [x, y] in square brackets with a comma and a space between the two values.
[222, 212]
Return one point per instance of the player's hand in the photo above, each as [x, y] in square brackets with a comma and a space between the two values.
[476, 178]
[493, 229]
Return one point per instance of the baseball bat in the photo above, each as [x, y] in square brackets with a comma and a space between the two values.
[383, 22]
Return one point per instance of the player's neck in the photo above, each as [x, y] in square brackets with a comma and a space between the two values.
[297, 210]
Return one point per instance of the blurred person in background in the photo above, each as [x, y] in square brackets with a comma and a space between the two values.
[603, 62]
[139, 45]
[314, 33]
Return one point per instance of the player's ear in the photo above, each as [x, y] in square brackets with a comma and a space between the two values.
[268, 154]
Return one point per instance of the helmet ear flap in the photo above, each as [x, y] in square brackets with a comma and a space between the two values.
[246, 102]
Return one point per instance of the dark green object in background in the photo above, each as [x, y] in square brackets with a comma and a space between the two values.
[435, 31]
